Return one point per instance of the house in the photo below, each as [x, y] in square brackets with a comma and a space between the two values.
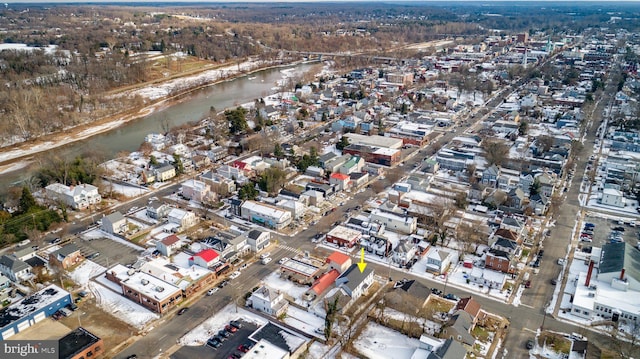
[439, 260]
[165, 173]
[77, 197]
[219, 184]
[65, 257]
[354, 164]
[25, 253]
[169, 245]
[516, 198]
[184, 219]
[268, 300]
[459, 328]
[339, 261]
[195, 190]
[158, 210]
[490, 176]
[612, 197]
[506, 245]
[340, 180]
[80, 343]
[206, 258]
[408, 296]
[498, 260]
[471, 306]
[358, 179]
[115, 223]
[396, 222]
[344, 237]
[404, 252]
[32, 309]
[14, 269]
[546, 184]
[354, 282]
[450, 349]
[258, 240]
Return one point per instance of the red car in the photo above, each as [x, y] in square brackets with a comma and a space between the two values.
[243, 348]
[231, 329]
[527, 284]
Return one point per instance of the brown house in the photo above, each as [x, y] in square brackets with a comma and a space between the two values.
[470, 306]
[499, 261]
[66, 256]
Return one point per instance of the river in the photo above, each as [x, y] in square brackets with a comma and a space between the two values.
[192, 107]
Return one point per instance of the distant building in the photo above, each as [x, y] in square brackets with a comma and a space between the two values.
[31, 310]
[439, 260]
[339, 261]
[80, 344]
[612, 197]
[195, 190]
[76, 197]
[258, 240]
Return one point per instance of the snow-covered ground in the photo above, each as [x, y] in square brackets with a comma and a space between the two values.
[85, 271]
[98, 233]
[377, 341]
[274, 281]
[200, 334]
[128, 191]
[430, 326]
[121, 307]
[303, 320]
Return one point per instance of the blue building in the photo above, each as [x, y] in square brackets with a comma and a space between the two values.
[32, 309]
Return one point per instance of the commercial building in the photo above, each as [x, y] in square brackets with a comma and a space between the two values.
[266, 215]
[145, 289]
[31, 310]
[302, 270]
[80, 344]
[344, 237]
[372, 154]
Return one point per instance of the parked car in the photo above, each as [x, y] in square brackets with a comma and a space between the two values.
[451, 296]
[132, 356]
[183, 310]
[618, 228]
[212, 291]
[527, 284]
[266, 260]
[234, 275]
[236, 324]
[265, 255]
[530, 344]
[223, 283]
[554, 281]
[212, 342]
[230, 328]
[560, 261]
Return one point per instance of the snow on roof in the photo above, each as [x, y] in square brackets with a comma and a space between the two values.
[181, 277]
[144, 283]
[344, 233]
[32, 303]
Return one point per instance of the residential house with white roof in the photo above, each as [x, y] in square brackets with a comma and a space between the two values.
[268, 300]
[77, 197]
[184, 219]
[195, 190]
[439, 260]
[114, 223]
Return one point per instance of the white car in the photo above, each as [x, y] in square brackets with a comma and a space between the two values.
[234, 275]
[283, 260]
[265, 255]
[266, 260]
[212, 290]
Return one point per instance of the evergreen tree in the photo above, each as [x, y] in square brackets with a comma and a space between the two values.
[27, 202]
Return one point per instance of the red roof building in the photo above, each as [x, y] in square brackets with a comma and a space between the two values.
[339, 261]
[325, 281]
[341, 180]
[205, 258]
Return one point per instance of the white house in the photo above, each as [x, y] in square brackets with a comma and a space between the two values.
[184, 219]
[158, 210]
[354, 282]
[487, 277]
[268, 300]
[195, 190]
[612, 197]
[114, 223]
[14, 269]
[266, 215]
[165, 173]
[76, 197]
[258, 240]
[395, 222]
[439, 260]
[169, 245]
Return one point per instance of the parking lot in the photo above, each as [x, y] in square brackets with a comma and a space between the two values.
[110, 252]
[603, 227]
[226, 350]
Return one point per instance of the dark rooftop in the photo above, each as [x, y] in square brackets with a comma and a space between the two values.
[30, 304]
[35, 262]
[274, 335]
[75, 342]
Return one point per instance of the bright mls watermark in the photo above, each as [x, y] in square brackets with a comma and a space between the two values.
[36, 349]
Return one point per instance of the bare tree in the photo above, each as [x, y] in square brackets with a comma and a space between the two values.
[496, 151]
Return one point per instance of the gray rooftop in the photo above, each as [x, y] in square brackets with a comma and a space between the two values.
[13, 263]
[66, 250]
[616, 256]
[354, 276]
[115, 217]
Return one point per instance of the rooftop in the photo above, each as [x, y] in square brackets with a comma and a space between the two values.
[298, 266]
[144, 283]
[265, 350]
[279, 337]
[338, 257]
[32, 303]
[325, 281]
[179, 276]
[344, 233]
[354, 276]
[266, 209]
[207, 254]
[75, 342]
[616, 256]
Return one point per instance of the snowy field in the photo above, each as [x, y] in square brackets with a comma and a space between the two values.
[85, 271]
[430, 326]
[379, 342]
[121, 307]
[128, 191]
[200, 334]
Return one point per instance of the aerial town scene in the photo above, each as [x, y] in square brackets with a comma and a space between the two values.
[384, 180]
